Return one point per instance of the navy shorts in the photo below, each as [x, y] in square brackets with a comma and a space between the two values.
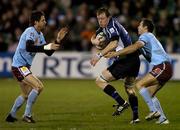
[127, 67]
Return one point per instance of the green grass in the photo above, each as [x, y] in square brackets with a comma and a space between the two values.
[80, 105]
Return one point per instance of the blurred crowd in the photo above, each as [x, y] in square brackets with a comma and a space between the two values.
[80, 16]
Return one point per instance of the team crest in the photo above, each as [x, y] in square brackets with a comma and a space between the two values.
[111, 30]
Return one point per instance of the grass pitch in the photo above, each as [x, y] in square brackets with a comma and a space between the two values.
[80, 105]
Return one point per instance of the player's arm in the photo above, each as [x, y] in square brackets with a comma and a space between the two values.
[31, 47]
[61, 34]
[47, 48]
[95, 40]
[111, 46]
[130, 49]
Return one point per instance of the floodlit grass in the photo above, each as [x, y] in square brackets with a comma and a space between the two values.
[80, 105]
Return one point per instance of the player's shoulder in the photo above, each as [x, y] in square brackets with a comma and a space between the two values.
[29, 29]
[145, 35]
[114, 25]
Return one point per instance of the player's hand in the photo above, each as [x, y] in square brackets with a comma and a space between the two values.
[111, 54]
[51, 46]
[61, 34]
[94, 40]
[94, 60]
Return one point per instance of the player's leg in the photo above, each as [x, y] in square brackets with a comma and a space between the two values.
[159, 75]
[25, 89]
[142, 85]
[103, 82]
[133, 100]
[19, 75]
[37, 87]
[153, 90]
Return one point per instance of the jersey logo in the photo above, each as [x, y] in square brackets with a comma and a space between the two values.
[111, 30]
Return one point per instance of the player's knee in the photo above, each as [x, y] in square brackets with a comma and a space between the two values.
[101, 82]
[39, 88]
[138, 86]
[130, 91]
[98, 81]
[129, 86]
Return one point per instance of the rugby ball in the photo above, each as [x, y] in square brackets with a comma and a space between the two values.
[102, 37]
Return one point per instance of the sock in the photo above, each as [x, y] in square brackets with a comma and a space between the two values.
[159, 108]
[31, 99]
[17, 104]
[133, 100]
[111, 91]
[147, 98]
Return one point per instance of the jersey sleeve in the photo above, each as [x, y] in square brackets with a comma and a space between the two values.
[30, 35]
[143, 38]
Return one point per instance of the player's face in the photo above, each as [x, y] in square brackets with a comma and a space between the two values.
[102, 20]
[42, 23]
[141, 28]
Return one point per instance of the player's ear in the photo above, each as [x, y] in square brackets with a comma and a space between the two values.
[35, 22]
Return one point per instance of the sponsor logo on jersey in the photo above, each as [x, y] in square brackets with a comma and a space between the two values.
[111, 30]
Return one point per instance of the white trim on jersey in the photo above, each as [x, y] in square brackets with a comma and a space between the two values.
[115, 28]
[106, 29]
[120, 45]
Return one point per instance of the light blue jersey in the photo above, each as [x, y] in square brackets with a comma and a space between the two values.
[21, 56]
[153, 50]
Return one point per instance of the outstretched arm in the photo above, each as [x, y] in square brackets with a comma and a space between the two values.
[61, 34]
[130, 49]
[31, 47]
[47, 48]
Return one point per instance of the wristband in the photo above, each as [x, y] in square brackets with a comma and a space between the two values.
[47, 47]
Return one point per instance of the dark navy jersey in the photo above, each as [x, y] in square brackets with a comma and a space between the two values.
[115, 31]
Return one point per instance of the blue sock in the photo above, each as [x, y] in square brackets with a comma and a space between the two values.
[17, 104]
[159, 108]
[147, 98]
[31, 99]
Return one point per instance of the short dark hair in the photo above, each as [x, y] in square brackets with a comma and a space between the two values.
[103, 10]
[149, 24]
[35, 16]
